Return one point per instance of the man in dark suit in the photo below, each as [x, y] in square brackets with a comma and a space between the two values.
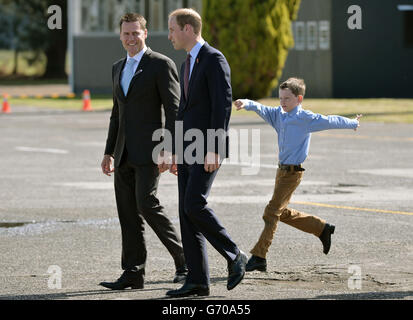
[205, 105]
[142, 83]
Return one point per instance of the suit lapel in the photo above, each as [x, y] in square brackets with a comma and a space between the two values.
[117, 79]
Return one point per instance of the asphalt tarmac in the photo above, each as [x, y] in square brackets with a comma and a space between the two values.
[60, 235]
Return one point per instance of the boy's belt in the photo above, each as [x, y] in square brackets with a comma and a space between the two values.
[290, 167]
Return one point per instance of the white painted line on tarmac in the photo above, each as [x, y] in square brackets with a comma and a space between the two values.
[45, 150]
[248, 164]
[87, 185]
[263, 199]
[393, 172]
[222, 183]
[91, 144]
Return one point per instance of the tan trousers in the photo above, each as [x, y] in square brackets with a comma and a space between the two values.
[285, 184]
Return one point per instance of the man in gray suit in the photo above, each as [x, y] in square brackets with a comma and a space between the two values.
[142, 82]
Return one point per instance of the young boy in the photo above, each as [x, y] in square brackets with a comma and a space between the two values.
[294, 126]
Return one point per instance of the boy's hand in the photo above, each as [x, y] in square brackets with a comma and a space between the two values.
[358, 120]
[239, 104]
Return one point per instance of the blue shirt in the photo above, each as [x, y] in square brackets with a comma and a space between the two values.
[294, 128]
[137, 59]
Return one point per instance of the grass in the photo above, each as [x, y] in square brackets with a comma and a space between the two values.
[24, 69]
[7, 63]
[30, 81]
[374, 110]
[98, 102]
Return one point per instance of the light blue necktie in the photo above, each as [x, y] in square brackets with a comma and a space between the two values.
[127, 75]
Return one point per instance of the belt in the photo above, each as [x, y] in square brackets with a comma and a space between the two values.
[290, 167]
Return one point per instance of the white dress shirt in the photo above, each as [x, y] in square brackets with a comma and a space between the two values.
[194, 53]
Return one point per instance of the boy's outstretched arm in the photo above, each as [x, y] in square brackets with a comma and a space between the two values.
[319, 122]
[266, 113]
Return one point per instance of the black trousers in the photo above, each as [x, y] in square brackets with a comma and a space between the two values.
[135, 190]
[199, 222]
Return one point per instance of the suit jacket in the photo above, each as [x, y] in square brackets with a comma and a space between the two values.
[137, 115]
[209, 101]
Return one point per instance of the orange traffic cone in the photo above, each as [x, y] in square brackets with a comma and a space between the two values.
[6, 106]
[86, 101]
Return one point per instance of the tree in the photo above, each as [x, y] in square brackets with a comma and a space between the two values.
[255, 36]
[57, 45]
[23, 27]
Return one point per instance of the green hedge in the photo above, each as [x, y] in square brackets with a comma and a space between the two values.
[254, 36]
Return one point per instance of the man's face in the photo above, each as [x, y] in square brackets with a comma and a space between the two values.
[133, 37]
[176, 35]
[288, 100]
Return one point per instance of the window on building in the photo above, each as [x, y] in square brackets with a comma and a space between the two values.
[195, 4]
[324, 35]
[90, 14]
[299, 35]
[171, 5]
[156, 15]
[102, 16]
[312, 35]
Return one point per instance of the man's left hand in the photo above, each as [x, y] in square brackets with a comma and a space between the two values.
[212, 162]
[164, 161]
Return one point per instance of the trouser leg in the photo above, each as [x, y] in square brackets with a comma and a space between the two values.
[148, 205]
[198, 222]
[285, 184]
[132, 224]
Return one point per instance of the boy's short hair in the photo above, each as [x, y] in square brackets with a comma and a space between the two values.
[133, 17]
[296, 86]
[188, 16]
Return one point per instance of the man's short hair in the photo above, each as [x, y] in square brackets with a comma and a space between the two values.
[296, 86]
[188, 16]
[133, 17]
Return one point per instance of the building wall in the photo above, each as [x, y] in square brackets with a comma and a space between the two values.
[94, 37]
[313, 65]
[93, 57]
[373, 61]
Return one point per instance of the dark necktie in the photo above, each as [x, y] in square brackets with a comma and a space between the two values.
[186, 74]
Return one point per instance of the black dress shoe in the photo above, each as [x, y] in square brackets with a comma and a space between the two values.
[128, 279]
[236, 270]
[180, 276]
[256, 263]
[325, 237]
[189, 289]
